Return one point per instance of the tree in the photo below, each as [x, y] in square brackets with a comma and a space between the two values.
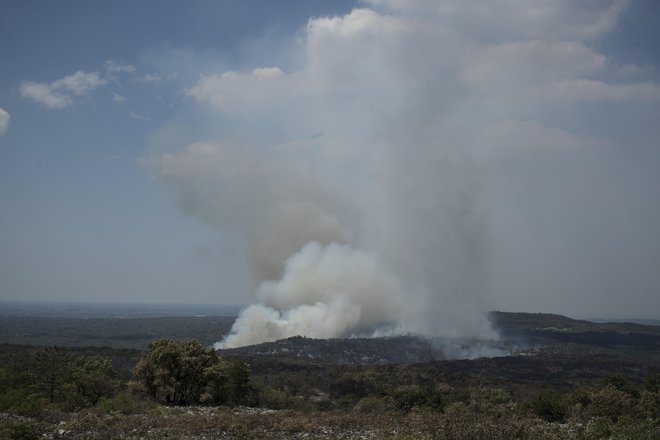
[239, 387]
[71, 380]
[217, 384]
[52, 368]
[94, 378]
[181, 373]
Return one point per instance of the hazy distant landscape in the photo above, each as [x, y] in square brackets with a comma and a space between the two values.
[84, 310]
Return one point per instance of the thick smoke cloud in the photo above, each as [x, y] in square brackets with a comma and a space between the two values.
[421, 164]
[324, 292]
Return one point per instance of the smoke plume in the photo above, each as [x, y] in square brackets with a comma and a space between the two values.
[379, 180]
[324, 292]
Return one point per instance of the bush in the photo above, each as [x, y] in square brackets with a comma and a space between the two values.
[375, 404]
[649, 403]
[124, 403]
[581, 396]
[620, 383]
[486, 399]
[23, 402]
[183, 373]
[550, 406]
[598, 428]
[642, 430]
[407, 397]
[652, 383]
[19, 431]
[611, 402]
[173, 372]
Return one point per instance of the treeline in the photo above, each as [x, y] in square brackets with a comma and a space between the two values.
[169, 372]
[55, 377]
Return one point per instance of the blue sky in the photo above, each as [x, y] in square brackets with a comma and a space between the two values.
[147, 148]
[82, 218]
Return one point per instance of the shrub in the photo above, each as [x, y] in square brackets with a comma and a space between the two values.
[611, 402]
[652, 383]
[173, 372]
[19, 431]
[649, 404]
[550, 406]
[23, 402]
[375, 404]
[620, 383]
[597, 428]
[581, 396]
[124, 403]
[643, 430]
[407, 397]
[182, 373]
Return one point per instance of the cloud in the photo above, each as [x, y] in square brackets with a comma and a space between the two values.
[530, 61]
[595, 90]
[112, 66]
[138, 116]
[4, 121]
[155, 78]
[546, 71]
[232, 91]
[62, 92]
[152, 78]
[116, 97]
[502, 20]
[45, 95]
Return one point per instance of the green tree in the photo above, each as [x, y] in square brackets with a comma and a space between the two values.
[217, 384]
[52, 370]
[181, 373]
[94, 378]
[239, 387]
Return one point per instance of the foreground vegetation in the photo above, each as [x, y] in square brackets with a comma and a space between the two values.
[183, 390]
[570, 380]
[502, 421]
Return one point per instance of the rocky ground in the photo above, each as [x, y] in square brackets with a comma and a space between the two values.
[201, 423]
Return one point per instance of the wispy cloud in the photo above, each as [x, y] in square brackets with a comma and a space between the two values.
[113, 66]
[134, 115]
[155, 78]
[116, 97]
[62, 92]
[4, 121]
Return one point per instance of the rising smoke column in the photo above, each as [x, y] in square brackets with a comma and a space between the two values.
[372, 201]
[372, 223]
[324, 292]
[310, 278]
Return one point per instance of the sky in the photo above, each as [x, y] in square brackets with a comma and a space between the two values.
[466, 155]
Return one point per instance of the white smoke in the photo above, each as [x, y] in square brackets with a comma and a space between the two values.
[363, 181]
[325, 291]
